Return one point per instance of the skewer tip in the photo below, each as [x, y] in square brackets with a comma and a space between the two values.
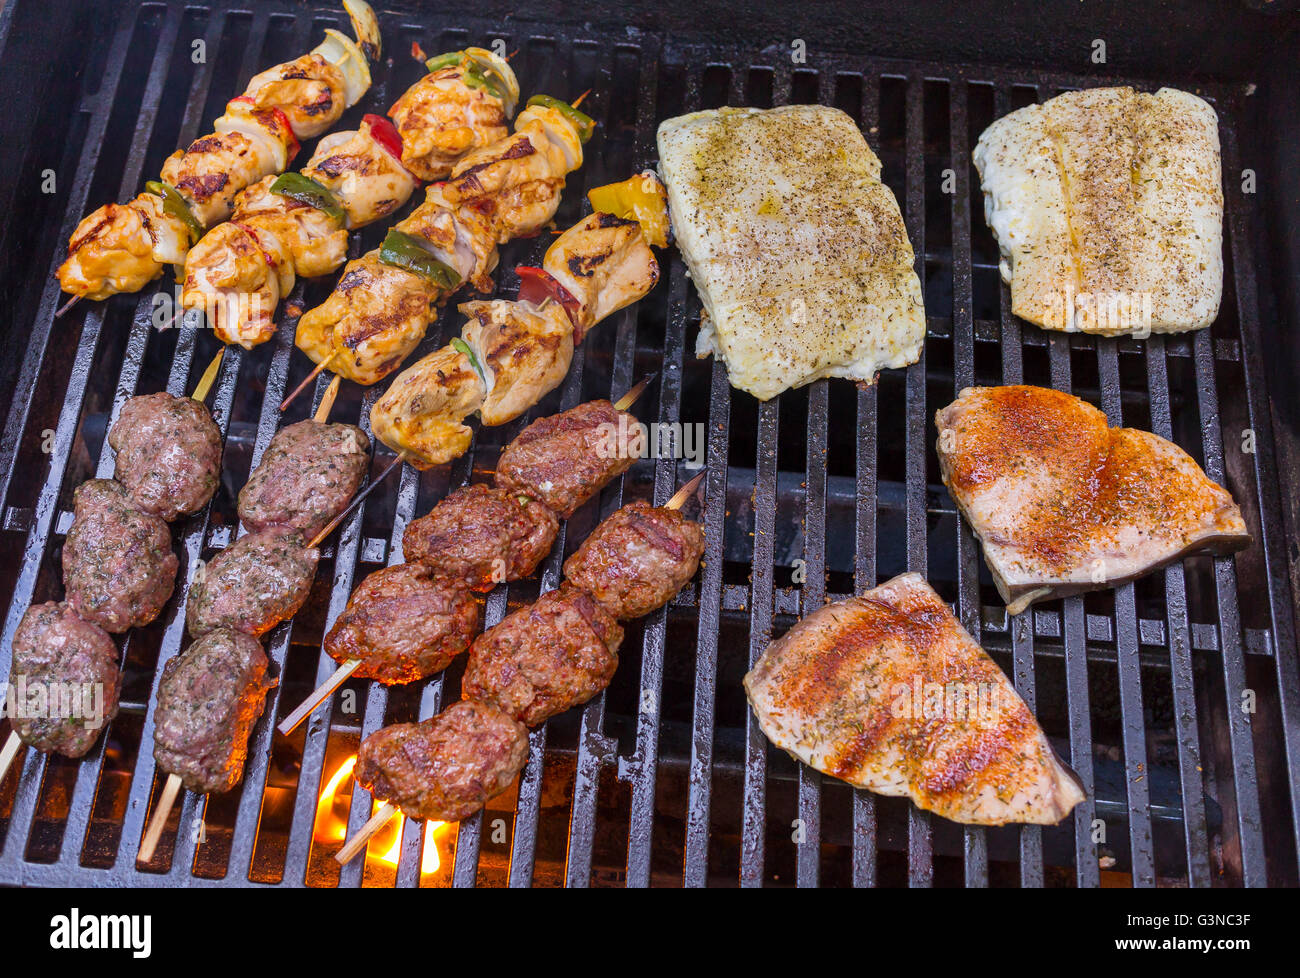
[327, 401]
[209, 377]
[684, 493]
[66, 306]
[578, 101]
[307, 380]
[11, 748]
[357, 843]
[630, 398]
[159, 820]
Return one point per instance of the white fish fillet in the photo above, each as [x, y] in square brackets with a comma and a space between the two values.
[1107, 206]
[797, 249]
[888, 692]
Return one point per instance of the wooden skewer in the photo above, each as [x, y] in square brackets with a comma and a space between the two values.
[356, 500]
[578, 101]
[66, 306]
[358, 841]
[12, 746]
[684, 493]
[324, 364]
[209, 377]
[323, 692]
[159, 821]
[628, 399]
[327, 402]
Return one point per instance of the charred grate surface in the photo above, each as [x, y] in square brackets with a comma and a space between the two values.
[665, 779]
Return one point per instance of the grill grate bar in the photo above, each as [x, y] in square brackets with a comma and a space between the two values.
[963, 355]
[1137, 769]
[920, 855]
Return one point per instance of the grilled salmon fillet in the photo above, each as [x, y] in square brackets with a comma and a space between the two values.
[797, 249]
[1065, 504]
[888, 692]
[1107, 206]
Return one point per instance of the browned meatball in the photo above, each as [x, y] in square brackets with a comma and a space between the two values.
[543, 659]
[307, 476]
[118, 565]
[64, 680]
[403, 625]
[567, 458]
[254, 584]
[208, 701]
[637, 559]
[168, 454]
[447, 767]
[480, 537]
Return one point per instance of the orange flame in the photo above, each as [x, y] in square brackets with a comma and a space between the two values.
[386, 844]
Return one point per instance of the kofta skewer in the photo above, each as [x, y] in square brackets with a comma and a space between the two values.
[491, 721]
[525, 481]
[85, 647]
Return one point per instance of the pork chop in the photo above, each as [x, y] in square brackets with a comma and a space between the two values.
[1065, 504]
[888, 692]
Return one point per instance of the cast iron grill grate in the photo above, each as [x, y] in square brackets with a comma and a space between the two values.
[665, 778]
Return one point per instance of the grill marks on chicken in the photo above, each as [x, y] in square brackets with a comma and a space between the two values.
[441, 120]
[1064, 504]
[846, 692]
[1107, 206]
[208, 701]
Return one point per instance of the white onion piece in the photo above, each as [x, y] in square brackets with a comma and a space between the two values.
[493, 64]
[365, 27]
[257, 134]
[342, 52]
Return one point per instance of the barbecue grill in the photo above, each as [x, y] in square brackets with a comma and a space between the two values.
[1176, 699]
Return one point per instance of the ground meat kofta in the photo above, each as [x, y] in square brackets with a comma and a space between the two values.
[118, 565]
[565, 459]
[254, 584]
[307, 476]
[447, 767]
[480, 536]
[168, 454]
[64, 680]
[545, 658]
[637, 559]
[403, 625]
[208, 701]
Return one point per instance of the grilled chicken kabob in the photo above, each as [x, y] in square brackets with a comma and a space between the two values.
[381, 307]
[210, 696]
[118, 570]
[511, 354]
[537, 663]
[410, 621]
[297, 224]
[123, 247]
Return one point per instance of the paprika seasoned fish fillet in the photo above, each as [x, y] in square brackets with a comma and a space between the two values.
[1107, 206]
[888, 692]
[797, 249]
[1065, 504]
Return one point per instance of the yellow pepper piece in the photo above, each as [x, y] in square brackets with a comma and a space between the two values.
[642, 199]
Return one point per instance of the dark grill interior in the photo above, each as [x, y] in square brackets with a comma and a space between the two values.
[666, 779]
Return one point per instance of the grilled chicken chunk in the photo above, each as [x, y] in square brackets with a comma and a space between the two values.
[423, 413]
[888, 692]
[375, 316]
[524, 350]
[1107, 205]
[797, 248]
[366, 180]
[308, 90]
[441, 119]
[122, 247]
[463, 238]
[317, 244]
[237, 276]
[1064, 504]
[605, 263]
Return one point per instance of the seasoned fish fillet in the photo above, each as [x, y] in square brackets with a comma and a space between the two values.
[1064, 504]
[1107, 205]
[797, 249]
[888, 692]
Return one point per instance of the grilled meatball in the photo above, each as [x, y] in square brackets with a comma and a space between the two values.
[55, 652]
[543, 659]
[447, 767]
[403, 625]
[309, 474]
[637, 559]
[168, 454]
[208, 701]
[479, 537]
[567, 458]
[254, 584]
[118, 566]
